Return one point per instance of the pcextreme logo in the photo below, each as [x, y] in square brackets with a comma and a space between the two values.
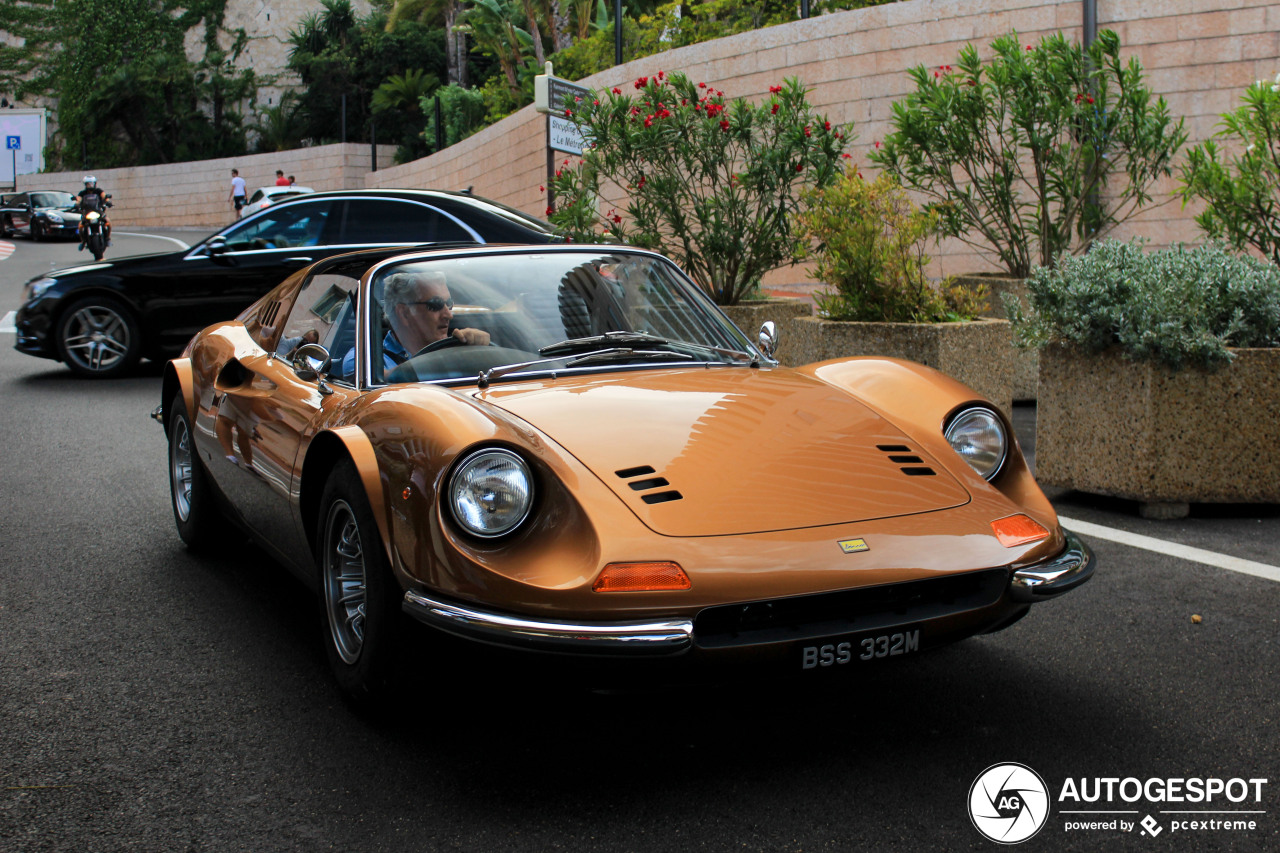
[1009, 803]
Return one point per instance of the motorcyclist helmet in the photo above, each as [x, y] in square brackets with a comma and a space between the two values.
[90, 181]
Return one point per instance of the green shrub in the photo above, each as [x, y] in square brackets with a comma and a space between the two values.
[871, 250]
[462, 111]
[712, 183]
[1242, 191]
[1181, 307]
[1014, 152]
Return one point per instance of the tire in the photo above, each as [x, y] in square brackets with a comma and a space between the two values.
[195, 511]
[98, 337]
[6, 227]
[98, 246]
[359, 596]
[37, 231]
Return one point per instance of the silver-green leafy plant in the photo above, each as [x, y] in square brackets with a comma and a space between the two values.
[1039, 150]
[1242, 189]
[1181, 307]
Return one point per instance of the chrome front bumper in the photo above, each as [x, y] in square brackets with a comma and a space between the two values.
[665, 637]
[1054, 576]
[639, 638]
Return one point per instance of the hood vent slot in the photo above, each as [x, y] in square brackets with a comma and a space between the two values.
[906, 460]
[649, 483]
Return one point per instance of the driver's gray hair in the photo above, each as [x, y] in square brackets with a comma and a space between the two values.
[402, 287]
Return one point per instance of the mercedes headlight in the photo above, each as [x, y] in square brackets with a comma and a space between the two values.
[491, 492]
[978, 435]
[35, 289]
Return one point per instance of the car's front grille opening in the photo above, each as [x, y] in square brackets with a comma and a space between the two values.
[850, 611]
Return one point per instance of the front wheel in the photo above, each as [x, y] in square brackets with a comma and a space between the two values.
[97, 245]
[359, 597]
[37, 231]
[98, 337]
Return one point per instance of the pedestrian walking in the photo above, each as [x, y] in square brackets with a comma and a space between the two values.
[237, 197]
[281, 180]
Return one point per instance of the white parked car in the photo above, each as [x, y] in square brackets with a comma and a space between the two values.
[264, 197]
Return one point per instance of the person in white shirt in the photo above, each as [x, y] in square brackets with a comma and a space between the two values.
[237, 196]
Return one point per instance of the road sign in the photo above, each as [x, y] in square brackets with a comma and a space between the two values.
[563, 135]
[553, 95]
[13, 143]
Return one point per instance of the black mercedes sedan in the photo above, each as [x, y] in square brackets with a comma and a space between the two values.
[100, 318]
[45, 213]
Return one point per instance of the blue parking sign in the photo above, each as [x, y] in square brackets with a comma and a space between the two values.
[13, 143]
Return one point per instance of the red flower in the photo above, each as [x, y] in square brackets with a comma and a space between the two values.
[846, 156]
[807, 132]
[617, 91]
[642, 82]
[773, 90]
[641, 184]
[648, 122]
[702, 85]
[724, 124]
[878, 143]
[617, 219]
[826, 125]
[937, 74]
[595, 103]
[557, 173]
[1089, 100]
[774, 110]
[542, 189]
[568, 113]
[1028, 47]
[661, 75]
[799, 167]
[549, 211]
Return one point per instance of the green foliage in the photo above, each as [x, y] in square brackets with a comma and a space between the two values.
[871, 250]
[25, 67]
[1015, 152]
[1243, 192]
[128, 95]
[280, 127]
[462, 111]
[713, 184]
[338, 53]
[1181, 307]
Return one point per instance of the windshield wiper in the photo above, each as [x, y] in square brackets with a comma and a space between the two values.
[608, 339]
[599, 356]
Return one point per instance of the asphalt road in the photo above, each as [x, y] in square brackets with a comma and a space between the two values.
[153, 701]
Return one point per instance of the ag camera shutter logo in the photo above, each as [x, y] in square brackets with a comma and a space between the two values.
[1008, 803]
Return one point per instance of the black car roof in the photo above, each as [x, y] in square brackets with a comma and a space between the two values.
[444, 197]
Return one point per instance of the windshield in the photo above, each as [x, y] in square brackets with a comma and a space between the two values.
[522, 313]
[52, 199]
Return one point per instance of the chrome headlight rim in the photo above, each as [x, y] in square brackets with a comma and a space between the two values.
[466, 465]
[967, 417]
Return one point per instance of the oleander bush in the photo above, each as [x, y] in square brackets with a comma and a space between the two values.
[871, 251]
[1242, 188]
[1181, 307]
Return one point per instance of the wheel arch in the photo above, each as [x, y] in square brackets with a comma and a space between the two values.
[324, 452]
[177, 380]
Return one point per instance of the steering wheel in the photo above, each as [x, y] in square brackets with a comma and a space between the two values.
[444, 343]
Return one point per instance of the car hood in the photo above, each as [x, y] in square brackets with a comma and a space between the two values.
[724, 451]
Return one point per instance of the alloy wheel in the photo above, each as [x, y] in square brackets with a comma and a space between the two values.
[180, 462]
[345, 592]
[97, 338]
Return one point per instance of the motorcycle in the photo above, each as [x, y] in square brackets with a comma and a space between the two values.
[95, 231]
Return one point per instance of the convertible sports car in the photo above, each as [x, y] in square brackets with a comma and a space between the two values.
[592, 460]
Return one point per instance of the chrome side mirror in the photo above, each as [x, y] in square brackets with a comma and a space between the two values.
[311, 361]
[768, 339]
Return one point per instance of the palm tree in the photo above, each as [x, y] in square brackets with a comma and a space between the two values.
[489, 23]
[448, 11]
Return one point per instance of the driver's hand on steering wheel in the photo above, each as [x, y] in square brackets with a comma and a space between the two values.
[472, 337]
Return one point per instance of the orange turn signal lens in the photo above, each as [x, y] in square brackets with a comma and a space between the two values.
[641, 577]
[1018, 530]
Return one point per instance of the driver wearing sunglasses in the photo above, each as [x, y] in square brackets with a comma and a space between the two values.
[419, 310]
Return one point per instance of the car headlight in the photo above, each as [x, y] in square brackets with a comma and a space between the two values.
[978, 435]
[36, 288]
[53, 217]
[491, 492]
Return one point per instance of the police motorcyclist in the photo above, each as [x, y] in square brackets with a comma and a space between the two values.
[92, 198]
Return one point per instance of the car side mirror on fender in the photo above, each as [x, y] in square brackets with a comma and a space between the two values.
[310, 362]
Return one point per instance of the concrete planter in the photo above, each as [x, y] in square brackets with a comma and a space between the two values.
[1110, 426]
[750, 316]
[976, 353]
[1026, 362]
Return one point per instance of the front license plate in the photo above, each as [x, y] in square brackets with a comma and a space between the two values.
[861, 648]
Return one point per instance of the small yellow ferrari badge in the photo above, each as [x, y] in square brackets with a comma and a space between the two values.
[853, 546]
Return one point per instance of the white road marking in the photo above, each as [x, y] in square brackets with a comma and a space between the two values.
[6, 249]
[152, 236]
[1172, 549]
[6, 323]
